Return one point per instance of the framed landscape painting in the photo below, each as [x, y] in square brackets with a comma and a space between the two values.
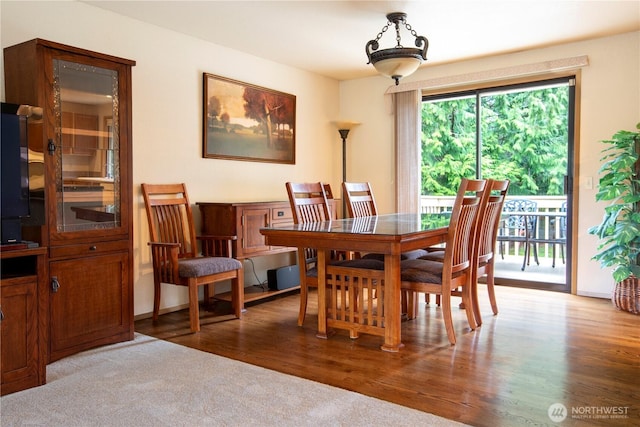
[246, 122]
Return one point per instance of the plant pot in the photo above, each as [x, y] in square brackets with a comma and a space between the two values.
[626, 295]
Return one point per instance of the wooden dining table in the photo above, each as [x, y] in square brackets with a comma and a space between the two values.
[390, 234]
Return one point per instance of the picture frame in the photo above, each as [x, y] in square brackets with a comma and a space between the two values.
[246, 122]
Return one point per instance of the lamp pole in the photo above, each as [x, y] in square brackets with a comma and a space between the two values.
[343, 134]
[343, 128]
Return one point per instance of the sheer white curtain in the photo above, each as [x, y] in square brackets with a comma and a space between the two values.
[407, 130]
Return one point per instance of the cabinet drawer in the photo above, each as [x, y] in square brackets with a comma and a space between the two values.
[85, 249]
[281, 214]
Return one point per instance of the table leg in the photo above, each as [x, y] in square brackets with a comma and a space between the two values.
[392, 303]
[322, 293]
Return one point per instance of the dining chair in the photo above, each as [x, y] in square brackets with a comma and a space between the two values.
[308, 202]
[484, 243]
[359, 202]
[455, 270]
[327, 191]
[359, 198]
[520, 228]
[174, 251]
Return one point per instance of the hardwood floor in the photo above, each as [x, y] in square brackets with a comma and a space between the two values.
[542, 348]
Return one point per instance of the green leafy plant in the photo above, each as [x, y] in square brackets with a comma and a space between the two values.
[619, 231]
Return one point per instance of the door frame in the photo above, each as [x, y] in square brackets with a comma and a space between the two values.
[571, 184]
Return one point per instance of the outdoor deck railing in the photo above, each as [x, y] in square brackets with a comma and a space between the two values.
[548, 228]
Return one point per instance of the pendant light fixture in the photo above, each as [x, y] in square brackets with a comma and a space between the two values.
[397, 62]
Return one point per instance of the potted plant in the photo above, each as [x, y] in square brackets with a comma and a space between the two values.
[619, 231]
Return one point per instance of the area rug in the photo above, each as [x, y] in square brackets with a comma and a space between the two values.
[150, 382]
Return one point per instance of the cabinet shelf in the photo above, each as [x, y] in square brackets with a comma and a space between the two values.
[85, 132]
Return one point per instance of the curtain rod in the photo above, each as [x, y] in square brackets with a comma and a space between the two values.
[497, 74]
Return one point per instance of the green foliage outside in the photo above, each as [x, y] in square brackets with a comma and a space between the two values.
[523, 138]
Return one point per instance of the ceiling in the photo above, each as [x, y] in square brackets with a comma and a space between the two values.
[329, 37]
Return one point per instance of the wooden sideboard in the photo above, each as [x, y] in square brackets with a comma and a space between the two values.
[244, 220]
[24, 304]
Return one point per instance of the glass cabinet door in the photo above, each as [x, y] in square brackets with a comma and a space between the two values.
[87, 171]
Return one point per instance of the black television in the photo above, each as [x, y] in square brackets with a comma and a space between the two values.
[14, 173]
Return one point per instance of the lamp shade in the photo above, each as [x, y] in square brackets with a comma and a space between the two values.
[399, 64]
[345, 125]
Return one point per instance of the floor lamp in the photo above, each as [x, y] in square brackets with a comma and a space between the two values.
[343, 129]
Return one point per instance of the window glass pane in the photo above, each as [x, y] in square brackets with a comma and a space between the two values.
[448, 144]
[524, 138]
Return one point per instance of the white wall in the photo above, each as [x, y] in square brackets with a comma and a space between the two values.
[610, 100]
[167, 116]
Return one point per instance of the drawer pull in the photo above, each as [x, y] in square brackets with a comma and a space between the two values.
[280, 213]
[93, 248]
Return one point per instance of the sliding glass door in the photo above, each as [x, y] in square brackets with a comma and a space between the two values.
[522, 133]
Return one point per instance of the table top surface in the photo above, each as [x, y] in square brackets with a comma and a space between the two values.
[382, 225]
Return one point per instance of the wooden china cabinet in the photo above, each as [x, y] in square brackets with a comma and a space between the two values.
[81, 188]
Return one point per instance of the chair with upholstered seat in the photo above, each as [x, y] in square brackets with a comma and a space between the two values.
[308, 204]
[174, 251]
[455, 270]
[484, 245]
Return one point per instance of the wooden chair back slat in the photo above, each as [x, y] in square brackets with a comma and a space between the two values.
[490, 219]
[308, 202]
[459, 243]
[359, 199]
[170, 217]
